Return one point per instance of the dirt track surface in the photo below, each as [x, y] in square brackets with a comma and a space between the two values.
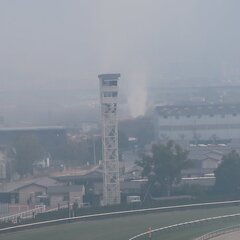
[229, 236]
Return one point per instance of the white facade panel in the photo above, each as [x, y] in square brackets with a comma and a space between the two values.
[206, 125]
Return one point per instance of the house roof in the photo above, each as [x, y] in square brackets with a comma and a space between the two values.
[27, 185]
[95, 175]
[215, 156]
[211, 158]
[212, 151]
[196, 171]
[65, 189]
[203, 181]
[13, 186]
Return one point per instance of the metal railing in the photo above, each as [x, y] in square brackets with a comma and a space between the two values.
[23, 215]
[121, 213]
[145, 235]
[65, 206]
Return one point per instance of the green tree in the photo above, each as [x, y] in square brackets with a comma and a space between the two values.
[163, 167]
[28, 150]
[228, 174]
[122, 141]
[77, 153]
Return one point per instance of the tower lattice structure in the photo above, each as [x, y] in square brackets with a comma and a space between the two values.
[109, 101]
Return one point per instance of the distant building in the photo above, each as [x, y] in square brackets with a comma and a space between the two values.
[85, 178]
[205, 159]
[62, 195]
[6, 161]
[3, 166]
[50, 137]
[28, 191]
[198, 123]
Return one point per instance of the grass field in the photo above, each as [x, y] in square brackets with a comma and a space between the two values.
[121, 228]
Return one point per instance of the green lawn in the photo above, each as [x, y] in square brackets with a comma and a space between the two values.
[122, 228]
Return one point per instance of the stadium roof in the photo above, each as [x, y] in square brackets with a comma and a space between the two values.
[197, 110]
[41, 128]
[109, 76]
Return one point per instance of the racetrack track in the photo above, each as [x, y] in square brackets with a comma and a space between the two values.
[124, 227]
[232, 236]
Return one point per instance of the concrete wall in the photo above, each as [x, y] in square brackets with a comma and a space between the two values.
[29, 193]
[76, 196]
[64, 198]
[210, 163]
[56, 199]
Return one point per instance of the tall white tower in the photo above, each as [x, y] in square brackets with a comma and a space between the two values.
[109, 100]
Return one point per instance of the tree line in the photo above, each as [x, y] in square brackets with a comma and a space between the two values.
[163, 165]
[87, 151]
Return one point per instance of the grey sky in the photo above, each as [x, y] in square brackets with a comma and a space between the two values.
[65, 44]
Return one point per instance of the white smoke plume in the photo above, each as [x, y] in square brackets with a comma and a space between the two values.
[137, 95]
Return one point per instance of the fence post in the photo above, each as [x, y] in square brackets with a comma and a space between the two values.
[150, 233]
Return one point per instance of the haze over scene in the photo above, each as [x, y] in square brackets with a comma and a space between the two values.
[51, 45]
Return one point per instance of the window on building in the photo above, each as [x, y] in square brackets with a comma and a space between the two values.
[106, 82]
[2, 170]
[38, 194]
[107, 94]
[66, 197]
[114, 94]
[110, 94]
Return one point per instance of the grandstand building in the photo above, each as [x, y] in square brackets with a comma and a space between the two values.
[198, 123]
[50, 137]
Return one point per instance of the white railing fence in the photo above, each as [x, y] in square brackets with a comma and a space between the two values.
[58, 208]
[122, 213]
[23, 215]
[184, 224]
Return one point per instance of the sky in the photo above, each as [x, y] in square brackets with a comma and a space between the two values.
[65, 44]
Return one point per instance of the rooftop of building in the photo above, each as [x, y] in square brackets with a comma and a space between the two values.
[80, 174]
[109, 76]
[64, 189]
[37, 128]
[15, 185]
[198, 110]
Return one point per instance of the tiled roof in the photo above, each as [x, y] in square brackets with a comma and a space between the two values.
[64, 189]
[13, 186]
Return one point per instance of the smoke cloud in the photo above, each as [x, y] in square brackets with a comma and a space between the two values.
[52, 51]
[137, 94]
